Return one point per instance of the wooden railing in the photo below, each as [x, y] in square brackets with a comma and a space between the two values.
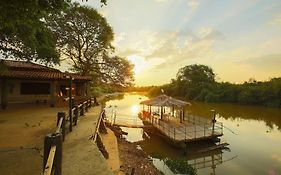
[96, 132]
[52, 159]
[199, 129]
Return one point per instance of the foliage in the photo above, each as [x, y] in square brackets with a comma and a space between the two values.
[180, 166]
[199, 84]
[23, 30]
[84, 39]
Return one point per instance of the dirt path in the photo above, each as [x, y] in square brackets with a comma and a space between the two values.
[110, 142]
[80, 154]
[22, 130]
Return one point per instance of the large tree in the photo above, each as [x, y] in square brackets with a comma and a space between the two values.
[23, 31]
[84, 39]
[192, 79]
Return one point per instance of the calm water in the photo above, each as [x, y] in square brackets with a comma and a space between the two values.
[254, 135]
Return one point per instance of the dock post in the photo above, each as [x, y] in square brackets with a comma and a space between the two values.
[174, 133]
[214, 122]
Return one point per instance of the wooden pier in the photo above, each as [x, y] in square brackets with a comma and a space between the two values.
[192, 129]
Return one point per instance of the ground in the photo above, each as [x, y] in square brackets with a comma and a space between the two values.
[22, 131]
[133, 157]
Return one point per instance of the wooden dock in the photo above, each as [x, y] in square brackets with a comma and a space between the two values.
[193, 129]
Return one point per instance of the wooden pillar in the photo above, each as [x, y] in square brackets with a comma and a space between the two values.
[62, 115]
[161, 115]
[214, 122]
[49, 141]
[53, 93]
[150, 109]
[87, 90]
[4, 94]
[183, 114]
[76, 113]
[173, 110]
[70, 104]
[180, 116]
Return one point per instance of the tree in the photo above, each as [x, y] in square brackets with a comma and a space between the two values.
[192, 79]
[84, 39]
[196, 74]
[23, 31]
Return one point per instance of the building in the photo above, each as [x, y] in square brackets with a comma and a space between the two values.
[27, 82]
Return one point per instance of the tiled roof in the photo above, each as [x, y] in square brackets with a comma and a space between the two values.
[28, 70]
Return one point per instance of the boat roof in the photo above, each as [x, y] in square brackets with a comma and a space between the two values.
[164, 100]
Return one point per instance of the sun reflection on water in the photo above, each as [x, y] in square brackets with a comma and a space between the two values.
[135, 109]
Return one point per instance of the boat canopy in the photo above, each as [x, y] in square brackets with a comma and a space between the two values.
[164, 100]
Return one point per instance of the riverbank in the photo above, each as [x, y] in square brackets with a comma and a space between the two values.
[126, 157]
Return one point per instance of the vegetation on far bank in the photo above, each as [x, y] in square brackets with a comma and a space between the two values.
[198, 82]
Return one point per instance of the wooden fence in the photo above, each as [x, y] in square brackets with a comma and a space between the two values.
[52, 159]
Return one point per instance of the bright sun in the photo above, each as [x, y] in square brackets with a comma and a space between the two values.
[135, 109]
[139, 63]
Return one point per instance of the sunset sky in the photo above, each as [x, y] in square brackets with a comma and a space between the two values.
[239, 39]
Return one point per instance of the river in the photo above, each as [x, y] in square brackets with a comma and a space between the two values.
[253, 134]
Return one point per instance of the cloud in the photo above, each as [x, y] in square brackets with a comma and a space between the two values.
[276, 19]
[209, 33]
[193, 4]
[265, 62]
[174, 48]
[161, 0]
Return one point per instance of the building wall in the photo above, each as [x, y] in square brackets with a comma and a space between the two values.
[15, 96]
[54, 98]
[1, 91]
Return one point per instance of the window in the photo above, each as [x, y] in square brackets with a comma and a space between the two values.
[35, 88]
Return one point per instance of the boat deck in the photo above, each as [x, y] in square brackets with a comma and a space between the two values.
[192, 129]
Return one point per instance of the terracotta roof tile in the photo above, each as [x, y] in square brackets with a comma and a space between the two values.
[28, 70]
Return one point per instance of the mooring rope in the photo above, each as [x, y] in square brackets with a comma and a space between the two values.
[230, 130]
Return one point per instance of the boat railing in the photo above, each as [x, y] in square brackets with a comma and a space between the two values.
[187, 132]
[197, 119]
[206, 161]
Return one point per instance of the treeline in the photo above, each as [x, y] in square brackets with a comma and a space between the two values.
[197, 82]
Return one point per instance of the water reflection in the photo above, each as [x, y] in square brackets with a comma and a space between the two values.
[168, 159]
[271, 116]
[257, 143]
[135, 109]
